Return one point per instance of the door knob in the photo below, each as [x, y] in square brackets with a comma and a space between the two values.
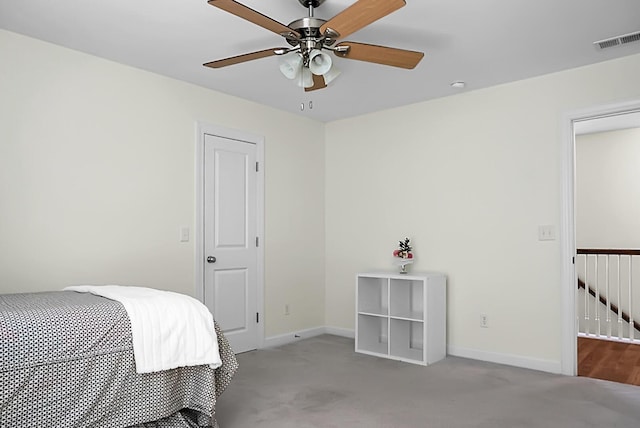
[211, 259]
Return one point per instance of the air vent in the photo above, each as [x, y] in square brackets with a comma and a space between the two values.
[619, 40]
[603, 44]
[630, 38]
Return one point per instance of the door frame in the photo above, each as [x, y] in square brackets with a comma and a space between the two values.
[569, 324]
[202, 129]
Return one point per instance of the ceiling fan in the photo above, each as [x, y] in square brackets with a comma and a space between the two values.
[309, 37]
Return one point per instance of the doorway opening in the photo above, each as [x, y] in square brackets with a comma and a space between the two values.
[594, 256]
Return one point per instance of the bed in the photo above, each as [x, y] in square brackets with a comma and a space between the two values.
[66, 360]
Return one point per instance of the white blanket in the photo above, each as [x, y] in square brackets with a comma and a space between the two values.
[169, 329]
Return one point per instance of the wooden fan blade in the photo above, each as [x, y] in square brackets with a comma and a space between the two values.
[242, 58]
[380, 55]
[251, 15]
[318, 83]
[360, 14]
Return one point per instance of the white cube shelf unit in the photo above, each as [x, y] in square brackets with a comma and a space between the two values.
[402, 316]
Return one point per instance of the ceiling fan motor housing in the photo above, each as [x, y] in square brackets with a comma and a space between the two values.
[307, 27]
[310, 36]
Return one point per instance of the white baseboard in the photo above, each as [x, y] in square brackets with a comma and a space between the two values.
[294, 336]
[283, 339]
[549, 366]
[338, 331]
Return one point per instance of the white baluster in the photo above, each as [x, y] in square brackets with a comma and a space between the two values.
[608, 296]
[620, 325]
[606, 292]
[586, 295]
[597, 300]
[631, 328]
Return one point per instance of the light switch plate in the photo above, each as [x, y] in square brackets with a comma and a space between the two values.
[546, 233]
[184, 234]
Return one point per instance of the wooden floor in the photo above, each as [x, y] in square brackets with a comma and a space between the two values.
[603, 359]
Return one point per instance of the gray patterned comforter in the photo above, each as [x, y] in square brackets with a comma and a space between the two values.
[66, 360]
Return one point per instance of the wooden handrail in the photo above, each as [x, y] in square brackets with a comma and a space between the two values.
[614, 308]
[605, 251]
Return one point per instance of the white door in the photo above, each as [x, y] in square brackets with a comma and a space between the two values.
[230, 234]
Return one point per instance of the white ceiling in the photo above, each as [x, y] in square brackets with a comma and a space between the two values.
[482, 42]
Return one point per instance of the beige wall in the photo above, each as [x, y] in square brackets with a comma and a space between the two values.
[608, 189]
[469, 178]
[97, 175]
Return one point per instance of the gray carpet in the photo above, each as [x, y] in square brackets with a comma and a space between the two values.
[322, 382]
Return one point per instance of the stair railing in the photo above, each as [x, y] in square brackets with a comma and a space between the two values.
[612, 286]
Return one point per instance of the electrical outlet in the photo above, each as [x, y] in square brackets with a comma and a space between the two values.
[484, 321]
[286, 309]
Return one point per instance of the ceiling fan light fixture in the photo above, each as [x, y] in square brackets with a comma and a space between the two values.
[291, 65]
[305, 78]
[319, 62]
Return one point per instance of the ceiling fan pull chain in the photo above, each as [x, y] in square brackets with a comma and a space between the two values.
[310, 106]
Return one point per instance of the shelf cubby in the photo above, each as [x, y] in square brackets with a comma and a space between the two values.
[374, 332]
[406, 300]
[407, 339]
[373, 295]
